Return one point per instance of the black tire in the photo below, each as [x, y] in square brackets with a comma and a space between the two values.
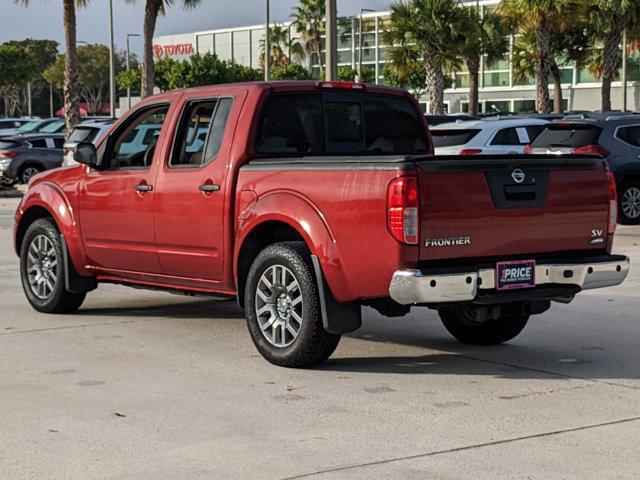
[313, 344]
[60, 300]
[461, 323]
[25, 173]
[632, 217]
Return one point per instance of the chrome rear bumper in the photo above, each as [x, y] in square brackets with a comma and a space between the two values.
[413, 286]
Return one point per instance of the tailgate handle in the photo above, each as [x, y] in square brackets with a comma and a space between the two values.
[519, 193]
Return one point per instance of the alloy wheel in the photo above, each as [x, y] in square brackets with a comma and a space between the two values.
[631, 202]
[28, 173]
[42, 267]
[279, 306]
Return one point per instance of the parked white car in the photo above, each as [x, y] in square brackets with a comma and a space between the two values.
[10, 126]
[88, 131]
[486, 137]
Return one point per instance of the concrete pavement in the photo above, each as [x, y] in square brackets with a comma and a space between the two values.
[144, 385]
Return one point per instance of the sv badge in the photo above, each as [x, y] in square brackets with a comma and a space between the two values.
[596, 236]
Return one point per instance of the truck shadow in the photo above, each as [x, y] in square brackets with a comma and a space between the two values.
[200, 309]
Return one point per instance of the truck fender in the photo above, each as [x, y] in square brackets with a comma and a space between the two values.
[299, 213]
[48, 197]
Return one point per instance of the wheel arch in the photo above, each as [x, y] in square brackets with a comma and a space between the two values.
[46, 200]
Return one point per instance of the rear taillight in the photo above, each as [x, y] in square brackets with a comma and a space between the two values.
[471, 151]
[402, 209]
[8, 154]
[613, 202]
[592, 150]
[528, 149]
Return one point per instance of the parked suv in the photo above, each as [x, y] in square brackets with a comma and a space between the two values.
[615, 136]
[486, 137]
[23, 156]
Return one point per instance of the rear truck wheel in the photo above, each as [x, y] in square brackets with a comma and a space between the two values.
[283, 309]
[42, 269]
[629, 203]
[482, 325]
[28, 172]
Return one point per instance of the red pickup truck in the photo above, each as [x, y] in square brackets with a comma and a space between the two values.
[308, 200]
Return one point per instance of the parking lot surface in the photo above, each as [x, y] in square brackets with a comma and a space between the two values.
[144, 384]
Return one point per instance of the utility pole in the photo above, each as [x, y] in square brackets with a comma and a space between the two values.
[624, 70]
[267, 44]
[332, 41]
[51, 100]
[361, 43]
[129, 35]
[112, 65]
[29, 103]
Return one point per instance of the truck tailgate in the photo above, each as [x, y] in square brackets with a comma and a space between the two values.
[507, 206]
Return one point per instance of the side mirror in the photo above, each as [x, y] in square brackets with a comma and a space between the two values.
[86, 153]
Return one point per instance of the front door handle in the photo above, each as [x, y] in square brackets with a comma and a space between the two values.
[209, 187]
[143, 187]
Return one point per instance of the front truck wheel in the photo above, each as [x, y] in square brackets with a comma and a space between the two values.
[42, 269]
[283, 308]
[483, 325]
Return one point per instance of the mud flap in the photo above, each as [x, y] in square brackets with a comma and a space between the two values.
[73, 281]
[336, 317]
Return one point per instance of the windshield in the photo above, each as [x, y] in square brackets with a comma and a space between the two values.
[341, 123]
[450, 138]
[571, 135]
[27, 127]
[52, 127]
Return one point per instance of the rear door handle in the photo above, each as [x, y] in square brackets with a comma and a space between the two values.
[209, 187]
[143, 188]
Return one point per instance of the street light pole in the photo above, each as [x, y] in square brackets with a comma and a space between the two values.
[332, 40]
[624, 70]
[129, 35]
[51, 100]
[267, 44]
[112, 65]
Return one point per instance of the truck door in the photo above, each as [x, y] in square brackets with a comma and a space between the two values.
[191, 199]
[117, 200]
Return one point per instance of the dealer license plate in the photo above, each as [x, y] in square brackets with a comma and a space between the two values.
[516, 274]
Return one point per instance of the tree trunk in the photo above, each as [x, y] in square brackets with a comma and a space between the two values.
[435, 84]
[610, 65]
[557, 88]
[71, 82]
[542, 66]
[151, 11]
[473, 66]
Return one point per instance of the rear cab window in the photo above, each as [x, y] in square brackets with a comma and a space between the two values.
[340, 123]
[572, 135]
[452, 137]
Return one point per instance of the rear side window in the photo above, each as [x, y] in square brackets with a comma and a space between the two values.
[340, 123]
[39, 143]
[450, 138]
[630, 135]
[83, 134]
[58, 142]
[572, 135]
[201, 132]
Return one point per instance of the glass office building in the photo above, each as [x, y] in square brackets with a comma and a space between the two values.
[499, 90]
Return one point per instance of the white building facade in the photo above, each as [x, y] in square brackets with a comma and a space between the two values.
[499, 91]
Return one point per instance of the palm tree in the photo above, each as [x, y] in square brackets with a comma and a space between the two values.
[308, 20]
[541, 17]
[483, 35]
[609, 18]
[152, 9]
[71, 80]
[282, 47]
[568, 44]
[427, 30]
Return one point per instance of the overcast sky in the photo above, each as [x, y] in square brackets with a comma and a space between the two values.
[43, 18]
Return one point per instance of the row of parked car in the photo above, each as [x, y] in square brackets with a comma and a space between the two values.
[30, 147]
[614, 135]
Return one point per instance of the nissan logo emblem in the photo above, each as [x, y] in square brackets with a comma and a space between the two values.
[518, 175]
